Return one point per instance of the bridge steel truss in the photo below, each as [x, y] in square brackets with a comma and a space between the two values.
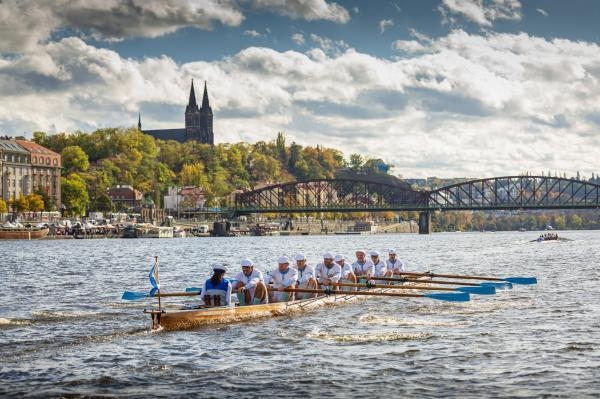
[347, 195]
[330, 195]
[516, 192]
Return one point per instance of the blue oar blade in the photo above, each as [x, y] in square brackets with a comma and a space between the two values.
[453, 297]
[193, 289]
[132, 296]
[505, 285]
[521, 280]
[480, 290]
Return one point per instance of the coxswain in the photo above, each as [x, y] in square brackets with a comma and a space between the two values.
[393, 263]
[217, 289]
[363, 268]
[283, 277]
[306, 277]
[250, 285]
[328, 272]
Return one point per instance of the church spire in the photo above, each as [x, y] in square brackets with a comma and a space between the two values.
[205, 104]
[139, 121]
[192, 105]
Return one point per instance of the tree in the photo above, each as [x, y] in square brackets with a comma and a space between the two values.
[3, 207]
[35, 202]
[20, 204]
[103, 203]
[356, 162]
[74, 195]
[74, 159]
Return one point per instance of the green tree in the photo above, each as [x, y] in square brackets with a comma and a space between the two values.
[74, 195]
[103, 203]
[74, 159]
[3, 207]
[356, 162]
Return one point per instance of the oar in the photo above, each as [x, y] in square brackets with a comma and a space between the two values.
[514, 280]
[132, 296]
[479, 290]
[499, 286]
[453, 297]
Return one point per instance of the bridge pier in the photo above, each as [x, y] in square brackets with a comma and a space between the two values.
[425, 223]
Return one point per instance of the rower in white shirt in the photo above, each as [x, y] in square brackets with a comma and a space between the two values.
[328, 271]
[347, 275]
[282, 277]
[363, 268]
[306, 277]
[380, 266]
[393, 263]
[250, 285]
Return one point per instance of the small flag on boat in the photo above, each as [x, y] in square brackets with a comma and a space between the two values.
[154, 281]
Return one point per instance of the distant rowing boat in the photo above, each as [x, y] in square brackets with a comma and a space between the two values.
[23, 233]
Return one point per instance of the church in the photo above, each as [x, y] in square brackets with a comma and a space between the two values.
[198, 123]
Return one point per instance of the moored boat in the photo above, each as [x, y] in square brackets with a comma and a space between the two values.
[23, 233]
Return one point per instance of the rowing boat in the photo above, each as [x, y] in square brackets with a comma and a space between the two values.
[192, 318]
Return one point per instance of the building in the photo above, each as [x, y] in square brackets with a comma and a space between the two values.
[26, 168]
[198, 122]
[45, 170]
[184, 199]
[125, 197]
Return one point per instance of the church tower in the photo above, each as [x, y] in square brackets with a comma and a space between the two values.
[206, 120]
[192, 117]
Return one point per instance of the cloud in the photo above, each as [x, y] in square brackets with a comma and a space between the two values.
[409, 46]
[252, 33]
[481, 12]
[384, 24]
[543, 12]
[329, 45]
[26, 23]
[310, 10]
[466, 105]
[298, 38]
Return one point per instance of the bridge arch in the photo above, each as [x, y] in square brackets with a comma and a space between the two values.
[330, 195]
[516, 192]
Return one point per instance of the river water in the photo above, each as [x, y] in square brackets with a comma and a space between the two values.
[64, 332]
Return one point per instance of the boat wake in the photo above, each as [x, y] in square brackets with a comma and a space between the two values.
[367, 338]
[408, 322]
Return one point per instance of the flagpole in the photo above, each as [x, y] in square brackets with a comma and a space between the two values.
[158, 282]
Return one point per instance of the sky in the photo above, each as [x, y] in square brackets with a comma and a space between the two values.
[447, 88]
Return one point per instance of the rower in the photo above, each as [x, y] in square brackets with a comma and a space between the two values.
[250, 285]
[306, 277]
[328, 272]
[363, 268]
[347, 275]
[217, 289]
[283, 277]
[380, 266]
[393, 263]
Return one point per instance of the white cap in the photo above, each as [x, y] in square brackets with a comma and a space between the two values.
[392, 251]
[246, 262]
[338, 258]
[218, 266]
[361, 251]
[283, 259]
[327, 255]
[300, 257]
[373, 253]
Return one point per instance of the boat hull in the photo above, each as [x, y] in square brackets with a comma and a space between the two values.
[186, 319]
[22, 234]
